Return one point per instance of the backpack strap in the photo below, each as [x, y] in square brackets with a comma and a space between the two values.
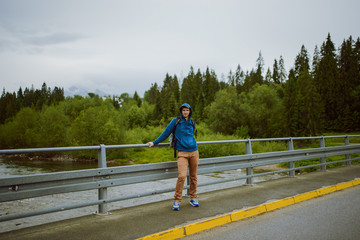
[194, 125]
[173, 132]
[176, 123]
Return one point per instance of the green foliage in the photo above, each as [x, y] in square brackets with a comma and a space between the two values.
[51, 125]
[11, 103]
[262, 147]
[257, 113]
[308, 101]
[168, 103]
[304, 108]
[74, 106]
[210, 86]
[136, 117]
[216, 150]
[328, 84]
[265, 112]
[20, 132]
[97, 125]
[225, 112]
[76, 121]
[140, 135]
[291, 106]
[153, 155]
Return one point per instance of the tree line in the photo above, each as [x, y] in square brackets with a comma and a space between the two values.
[11, 103]
[318, 94]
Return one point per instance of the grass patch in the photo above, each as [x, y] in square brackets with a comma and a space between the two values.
[166, 154]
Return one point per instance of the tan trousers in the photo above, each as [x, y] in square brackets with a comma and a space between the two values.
[186, 159]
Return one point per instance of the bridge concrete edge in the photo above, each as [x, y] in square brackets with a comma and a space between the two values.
[213, 222]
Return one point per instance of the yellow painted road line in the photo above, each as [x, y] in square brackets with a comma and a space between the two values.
[192, 228]
[344, 185]
[279, 204]
[326, 190]
[207, 224]
[356, 182]
[305, 196]
[246, 213]
[170, 234]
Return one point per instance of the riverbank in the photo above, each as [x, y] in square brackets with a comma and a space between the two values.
[46, 157]
[268, 168]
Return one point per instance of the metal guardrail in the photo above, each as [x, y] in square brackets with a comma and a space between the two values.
[102, 178]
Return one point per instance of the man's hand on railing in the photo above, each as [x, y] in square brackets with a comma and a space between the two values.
[151, 144]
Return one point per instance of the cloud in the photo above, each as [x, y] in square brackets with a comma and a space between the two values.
[123, 46]
[15, 41]
[52, 38]
[6, 44]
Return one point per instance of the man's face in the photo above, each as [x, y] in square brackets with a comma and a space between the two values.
[185, 112]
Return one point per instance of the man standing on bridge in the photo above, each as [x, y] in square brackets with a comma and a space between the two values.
[188, 154]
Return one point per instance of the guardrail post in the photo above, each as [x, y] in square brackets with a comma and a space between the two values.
[322, 159]
[102, 191]
[347, 156]
[291, 165]
[249, 170]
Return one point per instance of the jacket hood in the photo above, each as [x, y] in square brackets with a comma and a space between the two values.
[188, 106]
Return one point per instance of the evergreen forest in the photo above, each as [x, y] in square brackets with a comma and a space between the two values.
[319, 94]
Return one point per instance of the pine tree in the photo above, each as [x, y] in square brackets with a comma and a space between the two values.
[231, 79]
[2, 107]
[327, 83]
[250, 80]
[57, 95]
[310, 107]
[302, 62]
[9, 101]
[192, 88]
[282, 71]
[29, 97]
[357, 57]
[276, 74]
[186, 87]
[137, 99]
[268, 77]
[19, 99]
[302, 100]
[152, 94]
[315, 62]
[291, 105]
[176, 89]
[348, 73]
[356, 92]
[239, 79]
[155, 99]
[167, 98]
[210, 86]
[42, 96]
[197, 95]
[258, 78]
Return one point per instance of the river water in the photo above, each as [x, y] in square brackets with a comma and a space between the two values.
[16, 167]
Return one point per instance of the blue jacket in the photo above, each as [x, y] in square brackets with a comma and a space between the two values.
[184, 133]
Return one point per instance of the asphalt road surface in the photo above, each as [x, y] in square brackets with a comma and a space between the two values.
[334, 216]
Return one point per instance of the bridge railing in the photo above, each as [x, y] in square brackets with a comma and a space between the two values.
[103, 178]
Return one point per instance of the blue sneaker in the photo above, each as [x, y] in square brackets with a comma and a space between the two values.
[194, 202]
[176, 206]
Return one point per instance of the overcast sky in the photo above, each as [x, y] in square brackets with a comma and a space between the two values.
[120, 46]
